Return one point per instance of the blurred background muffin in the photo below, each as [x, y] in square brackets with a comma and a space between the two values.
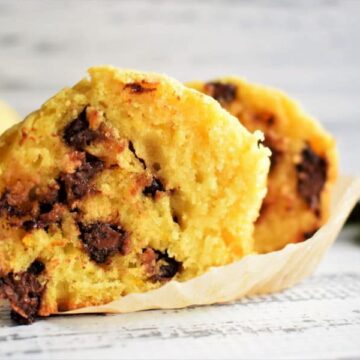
[8, 116]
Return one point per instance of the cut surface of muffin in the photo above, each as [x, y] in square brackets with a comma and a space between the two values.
[303, 161]
[118, 185]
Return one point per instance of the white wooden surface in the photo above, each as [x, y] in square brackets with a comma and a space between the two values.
[309, 48]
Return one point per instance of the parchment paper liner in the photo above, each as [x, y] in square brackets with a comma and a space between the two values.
[254, 274]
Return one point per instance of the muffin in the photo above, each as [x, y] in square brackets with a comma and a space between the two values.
[118, 185]
[303, 161]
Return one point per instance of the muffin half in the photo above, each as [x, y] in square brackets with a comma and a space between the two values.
[118, 185]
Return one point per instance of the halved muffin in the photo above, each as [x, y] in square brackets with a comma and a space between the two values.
[119, 184]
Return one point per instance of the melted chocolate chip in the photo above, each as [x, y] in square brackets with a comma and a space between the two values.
[24, 291]
[10, 209]
[48, 198]
[30, 225]
[167, 267]
[20, 320]
[139, 88]
[76, 185]
[102, 240]
[274, 157]
[62, 194]
[37, 204]
[159, 265]
[276, 145]
[155, 186]
[263, 210]
[36, 268]
[132, 149]
[265, 118]
[46, 207]
[275, 154]
[224, 93]
[43, 221]
[309, 234]
[78, 133]
[311, 175]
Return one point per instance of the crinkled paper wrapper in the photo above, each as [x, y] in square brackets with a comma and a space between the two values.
[254, 274]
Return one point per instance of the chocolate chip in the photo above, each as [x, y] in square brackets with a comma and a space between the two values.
[47, 198]
[311, 177]
[265, 118]
[309, 234]
[222, 92]
[167, 267]
[43, 221]
[78, 133]
[155, 186]
[53, 216]
[102, 240]
[38, 204]
[168, 270]
[45, 207]
[76, 185]
[276, 154]
[36, 268]
[274, 157]
[38, 208]
[132, 149]
[93, 164]
[156, 166]
[20, 320]
[139, 88]
[159, 265]
[62, 195]
[263, 210]
[24, 291]
[30, 225]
